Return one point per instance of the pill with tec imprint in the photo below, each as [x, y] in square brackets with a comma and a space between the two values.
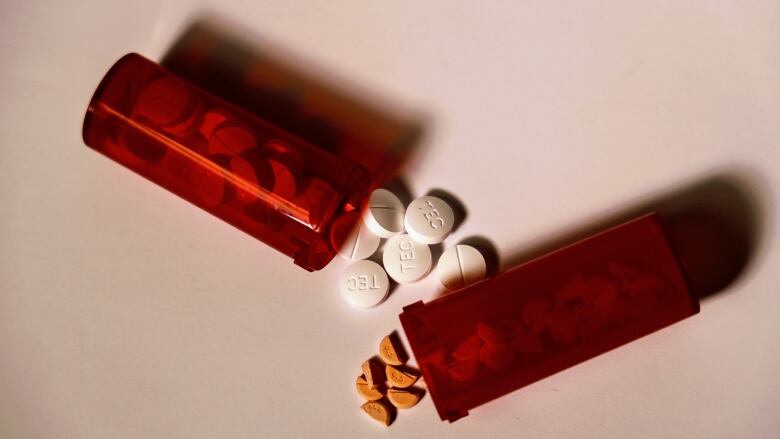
[364, 284]
[460, 266]
[429, 219]
[405, 259]
[384, 214]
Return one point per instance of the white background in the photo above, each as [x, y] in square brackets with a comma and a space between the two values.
[128, 313]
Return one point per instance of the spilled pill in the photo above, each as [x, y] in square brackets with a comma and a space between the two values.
[373, 374]
[406, 260]
[390, 352]
[378, 410]
[429, 220]
[460, 266]
[403, 399]
[364, 284]
[400, 378]
[352, 238]
[384, 214]
[367, 392]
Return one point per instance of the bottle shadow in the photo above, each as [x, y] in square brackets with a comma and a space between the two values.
[296, 95]
[714, 224]
[289, 92]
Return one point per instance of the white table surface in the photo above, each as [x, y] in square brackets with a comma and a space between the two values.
[128, 313]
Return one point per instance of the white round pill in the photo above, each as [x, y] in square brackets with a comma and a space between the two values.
[460, 266]
[429, 220]
[406, 260]
[384, 214]
[360, 243]
[364, 284]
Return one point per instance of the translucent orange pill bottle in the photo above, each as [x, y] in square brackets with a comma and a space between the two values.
[263, 180]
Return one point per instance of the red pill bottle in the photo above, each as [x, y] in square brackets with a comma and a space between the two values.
[537, 319]
[263, 180]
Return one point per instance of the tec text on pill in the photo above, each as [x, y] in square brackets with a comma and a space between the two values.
[384, 214]
[405, 259]
[429, 219]
[460, 266]
[364, 284]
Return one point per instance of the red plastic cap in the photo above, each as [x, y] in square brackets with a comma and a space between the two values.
[274, 186]
[539, 318]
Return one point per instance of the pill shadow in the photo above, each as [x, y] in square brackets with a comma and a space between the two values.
[715, 225]
[377, 257]
[400, 350]
[458, 208]
[436, 252]
[417, 390]
[400, 188]
[269, 80]
[405, 368]
[488, 251]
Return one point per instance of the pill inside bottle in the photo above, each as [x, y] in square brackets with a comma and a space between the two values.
[235, 165]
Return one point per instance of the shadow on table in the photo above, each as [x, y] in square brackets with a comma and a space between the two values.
[270, 81]
[715, 225]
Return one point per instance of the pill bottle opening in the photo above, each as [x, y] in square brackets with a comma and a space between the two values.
[106, 79]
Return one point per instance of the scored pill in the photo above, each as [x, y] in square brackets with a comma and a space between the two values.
[384, 214]
[379, 411]
[391, 352]
[211, 120]
[367, 392]
[429, 220]
[400, 378]
[403, 399]
[285, 176]
[352, 238]
[372, 373]
[406, 260]
[208, 182]
[359, 244]
[251, 174]
[364, 284]
[460, 266]
[231, 140]
[164, 101]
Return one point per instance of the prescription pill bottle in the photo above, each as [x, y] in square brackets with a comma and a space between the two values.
[272, 185]
[537, 319]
